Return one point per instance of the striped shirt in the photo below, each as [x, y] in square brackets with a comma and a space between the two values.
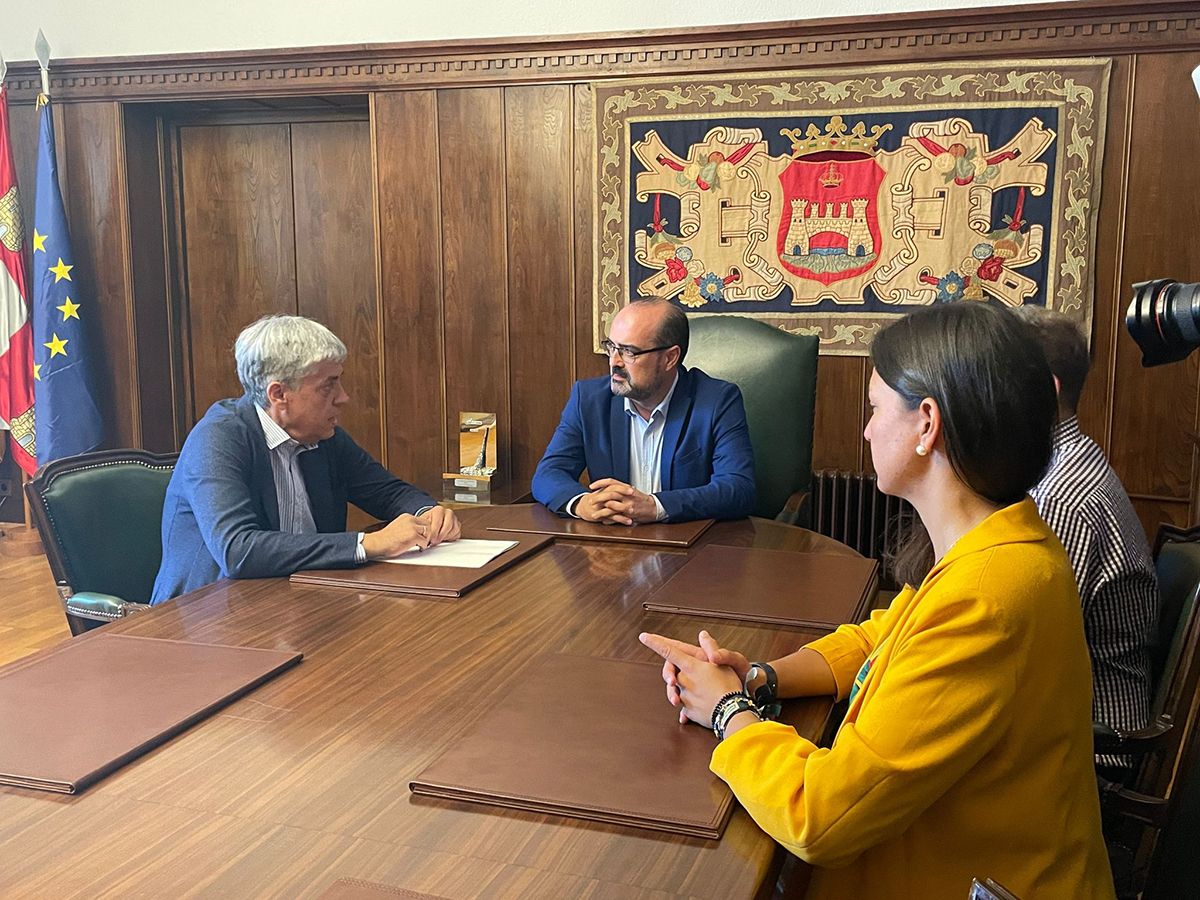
[295, 509]
[1083, 501]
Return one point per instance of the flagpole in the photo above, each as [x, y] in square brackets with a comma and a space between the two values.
[25, 501]
[69, 420]
[41, 48]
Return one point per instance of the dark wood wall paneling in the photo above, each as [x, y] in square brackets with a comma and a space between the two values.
[90, 149]
[539, 143]
[410, 247]
[155, 344]
[477, 293]
[239, 244]
[1154, 410]
[588, 363]
[336, 272]
[471, 162]
[278, 218]
[841, 390]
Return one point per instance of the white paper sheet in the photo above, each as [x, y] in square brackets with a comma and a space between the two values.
[461, 554]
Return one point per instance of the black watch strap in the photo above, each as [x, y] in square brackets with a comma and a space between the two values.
[766, 695]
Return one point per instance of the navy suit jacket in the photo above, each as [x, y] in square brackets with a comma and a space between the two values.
[707, 461]
[221, 515]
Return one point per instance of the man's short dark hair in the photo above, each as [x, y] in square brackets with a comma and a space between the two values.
[673, 331]
[1065, 348]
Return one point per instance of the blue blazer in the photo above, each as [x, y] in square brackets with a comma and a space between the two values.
[707, 461]
[221, 515]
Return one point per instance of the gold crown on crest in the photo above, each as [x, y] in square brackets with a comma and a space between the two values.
[835, 137]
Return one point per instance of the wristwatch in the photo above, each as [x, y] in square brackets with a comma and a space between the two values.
[764, 694]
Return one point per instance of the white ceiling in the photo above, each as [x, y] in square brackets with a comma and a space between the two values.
[78, 28]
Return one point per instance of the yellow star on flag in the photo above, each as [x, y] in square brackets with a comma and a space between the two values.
[69, 310]
[37, 371]
[61, 271]
[57, 346]
[39, 241]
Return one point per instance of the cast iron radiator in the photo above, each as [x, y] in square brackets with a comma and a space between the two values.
[849, 507]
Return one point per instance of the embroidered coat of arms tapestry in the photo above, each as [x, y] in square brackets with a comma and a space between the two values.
[831, 202]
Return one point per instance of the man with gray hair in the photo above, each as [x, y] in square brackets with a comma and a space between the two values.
[261, 485]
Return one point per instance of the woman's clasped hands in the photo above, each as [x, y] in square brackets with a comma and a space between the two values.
[697, 676]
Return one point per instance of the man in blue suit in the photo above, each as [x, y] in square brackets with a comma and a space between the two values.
[660, 442]
[262, 482]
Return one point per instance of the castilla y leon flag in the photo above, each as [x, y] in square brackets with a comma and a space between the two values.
[68, 420]
[16, 331]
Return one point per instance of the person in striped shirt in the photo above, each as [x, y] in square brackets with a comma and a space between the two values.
[1083, 501]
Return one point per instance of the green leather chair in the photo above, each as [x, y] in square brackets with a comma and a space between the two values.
[777, 373]
[100, 518]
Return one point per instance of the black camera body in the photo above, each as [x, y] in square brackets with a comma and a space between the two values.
[1164, 319]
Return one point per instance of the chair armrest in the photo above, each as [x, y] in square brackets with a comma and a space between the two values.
[1118, 800]
[1110, 741]
[795, 511]
[101, 607]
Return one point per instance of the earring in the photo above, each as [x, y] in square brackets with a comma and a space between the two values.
[921, 451]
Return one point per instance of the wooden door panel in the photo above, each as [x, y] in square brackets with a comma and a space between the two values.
[474, 261]
[335, 258]
[410, 249]
[239, 244]
[538, 147]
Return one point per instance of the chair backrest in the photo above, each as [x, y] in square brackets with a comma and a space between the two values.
[777, 373]
[1177, 565]
[1177, 562]
[100, 517]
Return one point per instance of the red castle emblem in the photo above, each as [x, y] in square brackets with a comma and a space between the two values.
[829, 229]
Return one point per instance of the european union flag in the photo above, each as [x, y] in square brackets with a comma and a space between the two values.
[68, 419]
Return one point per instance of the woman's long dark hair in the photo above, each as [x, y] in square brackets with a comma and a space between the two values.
[992, 384]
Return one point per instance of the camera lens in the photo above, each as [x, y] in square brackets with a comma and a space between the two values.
[1164, 319]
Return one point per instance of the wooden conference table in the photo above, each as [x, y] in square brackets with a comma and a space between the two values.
[305, 781]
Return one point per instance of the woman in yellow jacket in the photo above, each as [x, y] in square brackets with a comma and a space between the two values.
[966, 748]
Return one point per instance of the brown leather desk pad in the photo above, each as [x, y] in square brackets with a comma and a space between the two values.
[591, 739]
[95, 703]
[536, 519]
[777, 587]
[434, 581]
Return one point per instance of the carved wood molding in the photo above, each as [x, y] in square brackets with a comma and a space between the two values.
[1105, 26]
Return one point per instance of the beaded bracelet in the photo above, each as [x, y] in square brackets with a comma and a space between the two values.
[727, 698]
[729, 706]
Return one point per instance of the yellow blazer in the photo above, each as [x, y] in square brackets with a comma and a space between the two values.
[966, 750]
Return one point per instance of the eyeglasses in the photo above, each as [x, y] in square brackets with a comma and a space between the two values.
[629, 354]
